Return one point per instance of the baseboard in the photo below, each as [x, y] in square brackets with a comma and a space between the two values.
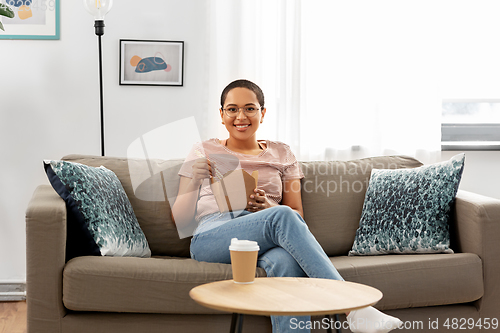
[12, 291]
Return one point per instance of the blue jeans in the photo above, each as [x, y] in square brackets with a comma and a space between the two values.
[287, 248]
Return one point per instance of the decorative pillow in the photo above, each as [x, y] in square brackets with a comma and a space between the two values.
[407, 210]
[101, 220]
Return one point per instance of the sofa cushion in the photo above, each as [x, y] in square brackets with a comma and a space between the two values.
[409, 280]
[407, 211]
[146, 285]
[101, 220]
[161, 285]
[333, 193]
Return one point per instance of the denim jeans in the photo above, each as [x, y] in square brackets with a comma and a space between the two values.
[287, 248]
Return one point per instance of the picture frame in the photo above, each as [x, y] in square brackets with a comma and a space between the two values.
[151, 62]
[34, 19]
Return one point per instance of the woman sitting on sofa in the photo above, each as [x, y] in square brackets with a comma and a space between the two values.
[273, 217]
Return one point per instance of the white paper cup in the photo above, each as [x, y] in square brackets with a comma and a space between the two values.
[243, 260]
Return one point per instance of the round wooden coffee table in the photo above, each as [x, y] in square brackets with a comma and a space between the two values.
[284, 296]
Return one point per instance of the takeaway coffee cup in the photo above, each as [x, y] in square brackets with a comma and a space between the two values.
[243, 260]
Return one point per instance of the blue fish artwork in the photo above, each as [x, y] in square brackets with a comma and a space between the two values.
[19, 3]
[149, 64]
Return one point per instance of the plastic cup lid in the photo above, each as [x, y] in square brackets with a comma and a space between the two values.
[243, 245]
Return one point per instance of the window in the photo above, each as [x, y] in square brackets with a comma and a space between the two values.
[470, 125]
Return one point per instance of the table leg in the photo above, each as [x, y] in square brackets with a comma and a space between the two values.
[329, 328]
[236, 323]
[337, 319]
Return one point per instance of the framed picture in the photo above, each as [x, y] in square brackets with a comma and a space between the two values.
[151, 62]
[34, 19]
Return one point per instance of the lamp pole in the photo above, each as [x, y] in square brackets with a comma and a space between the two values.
[98, 9]
[99, 31]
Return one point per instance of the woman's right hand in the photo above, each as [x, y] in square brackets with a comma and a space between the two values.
[184, 208]
[201, 170]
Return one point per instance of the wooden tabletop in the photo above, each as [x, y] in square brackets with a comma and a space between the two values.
[286, 296]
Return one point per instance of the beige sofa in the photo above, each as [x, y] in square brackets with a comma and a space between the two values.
[123, 294]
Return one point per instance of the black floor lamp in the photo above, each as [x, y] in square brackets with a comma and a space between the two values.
[98, 9]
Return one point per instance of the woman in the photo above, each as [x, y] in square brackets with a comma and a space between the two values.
[273, 216]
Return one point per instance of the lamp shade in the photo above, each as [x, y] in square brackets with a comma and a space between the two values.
[98, 8]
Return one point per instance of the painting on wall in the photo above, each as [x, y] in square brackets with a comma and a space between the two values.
[33, 19]
[151, 62]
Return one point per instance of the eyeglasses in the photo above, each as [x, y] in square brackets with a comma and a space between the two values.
[249, 111]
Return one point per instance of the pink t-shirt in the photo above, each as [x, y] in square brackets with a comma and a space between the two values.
[276, 163]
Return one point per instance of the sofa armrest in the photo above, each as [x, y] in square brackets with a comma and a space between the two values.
[475, 227]
[45, 259]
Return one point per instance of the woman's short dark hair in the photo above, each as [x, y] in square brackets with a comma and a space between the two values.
[243, 84]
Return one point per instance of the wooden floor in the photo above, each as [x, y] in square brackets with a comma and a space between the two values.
[13, 317]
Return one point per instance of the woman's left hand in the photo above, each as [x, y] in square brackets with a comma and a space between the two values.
[259, 201]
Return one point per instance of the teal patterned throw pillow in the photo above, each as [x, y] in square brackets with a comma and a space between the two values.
[407, 210]
[101, 220]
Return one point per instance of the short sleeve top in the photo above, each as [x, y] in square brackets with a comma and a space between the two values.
[276, 163]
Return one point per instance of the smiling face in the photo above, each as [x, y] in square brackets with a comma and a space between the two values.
[242, 127]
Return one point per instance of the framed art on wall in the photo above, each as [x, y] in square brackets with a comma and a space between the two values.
[151, 62]
[33, 19]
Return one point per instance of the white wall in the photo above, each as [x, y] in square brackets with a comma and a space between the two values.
[50, 104]
[50, 100]
[481, 172]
